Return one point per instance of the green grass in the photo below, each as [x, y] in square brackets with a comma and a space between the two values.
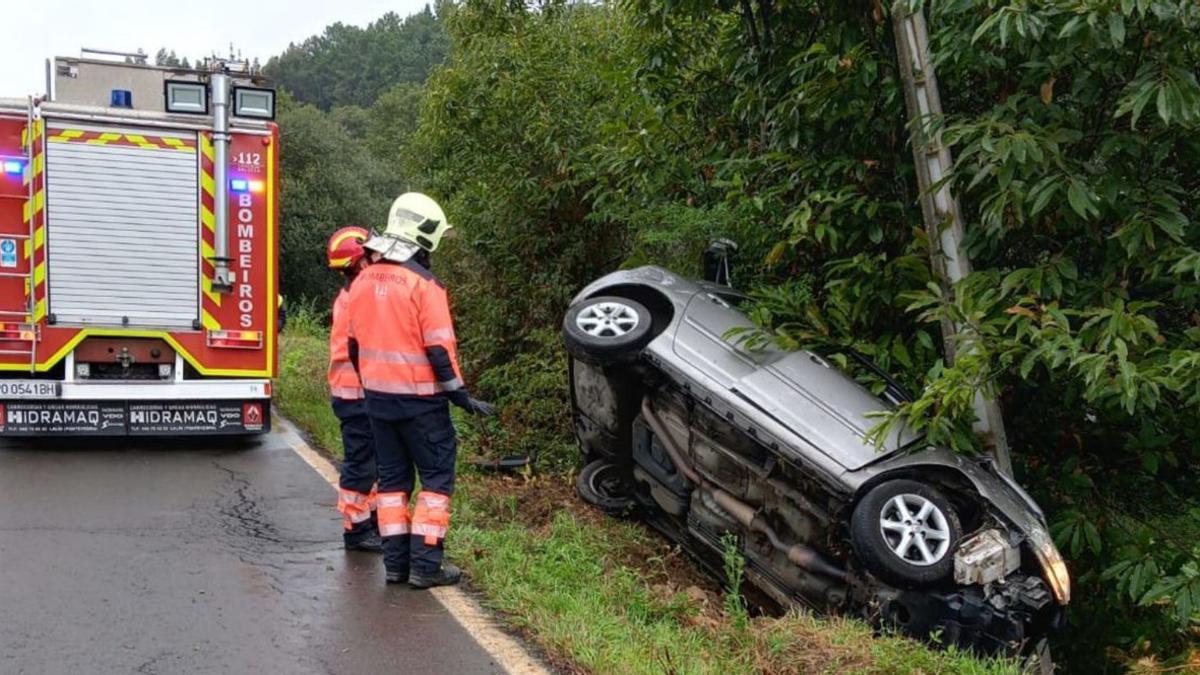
[598, 594]
[301, 392]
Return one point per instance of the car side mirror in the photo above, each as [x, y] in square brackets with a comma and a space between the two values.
[717, 262]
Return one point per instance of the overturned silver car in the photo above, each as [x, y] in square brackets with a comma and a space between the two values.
[705, 438]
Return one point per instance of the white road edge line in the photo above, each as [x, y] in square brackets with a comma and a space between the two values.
[508, 653]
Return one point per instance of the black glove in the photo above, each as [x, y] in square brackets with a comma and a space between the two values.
[474, 406]
[477, 407]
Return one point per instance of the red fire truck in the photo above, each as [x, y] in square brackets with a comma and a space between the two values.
[139, 254]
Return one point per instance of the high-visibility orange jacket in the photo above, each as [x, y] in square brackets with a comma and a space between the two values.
[400, 320]
[343, 378]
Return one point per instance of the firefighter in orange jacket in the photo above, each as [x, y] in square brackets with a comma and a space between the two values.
[356, 488]
[405, 350]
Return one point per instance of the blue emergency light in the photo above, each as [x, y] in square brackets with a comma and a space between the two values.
[239, 185]
[14, 167]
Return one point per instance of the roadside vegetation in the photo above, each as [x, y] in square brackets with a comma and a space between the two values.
[600, 595]
[569, 139]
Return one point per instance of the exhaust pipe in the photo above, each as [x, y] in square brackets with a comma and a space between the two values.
[803, 556]
[222, 280]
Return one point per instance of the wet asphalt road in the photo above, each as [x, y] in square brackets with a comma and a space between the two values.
[190, 557]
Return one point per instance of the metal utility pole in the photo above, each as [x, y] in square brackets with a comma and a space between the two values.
[939, 208]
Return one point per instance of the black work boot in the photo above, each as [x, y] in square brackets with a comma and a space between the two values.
[448, 575]
[397, 576]
[369, 542]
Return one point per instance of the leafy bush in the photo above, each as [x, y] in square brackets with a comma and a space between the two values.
[532, 392]
[507, 132]
[328, 181]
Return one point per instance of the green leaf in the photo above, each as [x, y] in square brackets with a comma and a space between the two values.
[1164, 109]
[1116, 28]
[1043, 198]
[1079, 200]
[1093, 537]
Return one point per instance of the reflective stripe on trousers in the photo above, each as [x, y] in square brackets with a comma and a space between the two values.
[355, 507]
[393, 513]
[431, 517]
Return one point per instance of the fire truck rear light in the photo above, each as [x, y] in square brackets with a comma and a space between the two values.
[239, 185]
[267, 389]
[17, 331]
[14, 167]
[235, 339]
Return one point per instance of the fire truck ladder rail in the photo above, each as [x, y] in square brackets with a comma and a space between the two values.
[31, 281]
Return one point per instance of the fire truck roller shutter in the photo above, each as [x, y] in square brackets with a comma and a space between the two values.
[122, 231]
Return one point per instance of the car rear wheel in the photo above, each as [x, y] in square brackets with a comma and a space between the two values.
[906, 532]
[601, 484]
[606, 328]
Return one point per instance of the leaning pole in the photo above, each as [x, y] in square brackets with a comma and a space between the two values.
[939, 208]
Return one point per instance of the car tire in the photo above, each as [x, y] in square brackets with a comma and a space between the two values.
[601, 484]
[606, 329]
[906, 533]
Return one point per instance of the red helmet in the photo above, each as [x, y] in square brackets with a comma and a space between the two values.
[346, 247]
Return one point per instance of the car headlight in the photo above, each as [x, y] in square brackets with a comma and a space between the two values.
[1054, 567]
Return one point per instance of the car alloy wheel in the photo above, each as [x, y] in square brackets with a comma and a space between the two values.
[915, 529]
[607, 319]
[607, 329]
[906, 531]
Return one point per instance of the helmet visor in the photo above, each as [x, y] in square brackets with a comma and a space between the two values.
[415, 227]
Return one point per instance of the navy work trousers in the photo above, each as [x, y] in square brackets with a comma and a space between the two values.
[414, 436]
[358, 464]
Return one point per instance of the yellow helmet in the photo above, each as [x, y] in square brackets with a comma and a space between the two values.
[416, 218]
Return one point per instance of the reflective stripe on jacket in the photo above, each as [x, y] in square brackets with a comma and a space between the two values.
[343, 379]
[400, 318]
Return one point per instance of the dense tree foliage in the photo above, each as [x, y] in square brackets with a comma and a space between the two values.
[348, 65]
[566, 140]
[328, 180]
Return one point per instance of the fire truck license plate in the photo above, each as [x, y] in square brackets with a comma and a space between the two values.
[28, 389]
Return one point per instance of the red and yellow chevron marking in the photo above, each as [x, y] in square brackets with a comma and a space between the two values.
[35, 212]
[211, 300]
[124, 140]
